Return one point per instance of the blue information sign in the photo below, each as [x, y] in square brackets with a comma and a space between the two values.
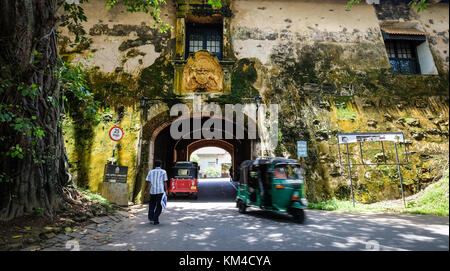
[302, 150]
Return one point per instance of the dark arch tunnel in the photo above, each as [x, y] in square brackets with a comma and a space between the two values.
[170, 150]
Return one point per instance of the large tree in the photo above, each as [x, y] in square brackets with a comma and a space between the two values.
[34, 174]
[34, 171]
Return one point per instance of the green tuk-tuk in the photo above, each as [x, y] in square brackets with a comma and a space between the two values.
[273, 184]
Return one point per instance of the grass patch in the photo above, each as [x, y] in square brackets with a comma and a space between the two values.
[96, 198]
[344, 205]
[346, 113]
[433, 201]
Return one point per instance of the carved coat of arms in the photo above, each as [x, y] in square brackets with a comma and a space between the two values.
[202, 73]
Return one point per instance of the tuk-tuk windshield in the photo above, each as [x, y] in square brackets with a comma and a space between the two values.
[287, 172]
[183, 172]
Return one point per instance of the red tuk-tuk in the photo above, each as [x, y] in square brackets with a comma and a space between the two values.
[184, 179]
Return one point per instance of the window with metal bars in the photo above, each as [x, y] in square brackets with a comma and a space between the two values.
[403, 56]
[204, 37]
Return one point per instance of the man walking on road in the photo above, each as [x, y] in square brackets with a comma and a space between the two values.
[156, 180]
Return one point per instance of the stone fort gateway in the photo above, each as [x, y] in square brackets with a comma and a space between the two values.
[378, 67]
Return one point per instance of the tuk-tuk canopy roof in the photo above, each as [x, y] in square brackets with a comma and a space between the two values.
[185, 164]
[184, 169]
[262, 162]
[268, 160]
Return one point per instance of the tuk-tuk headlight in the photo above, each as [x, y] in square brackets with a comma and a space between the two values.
[304, 201]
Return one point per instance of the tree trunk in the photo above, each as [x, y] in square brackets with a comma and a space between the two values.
[39, 181]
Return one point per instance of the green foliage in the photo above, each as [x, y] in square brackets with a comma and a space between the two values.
[330, 205]
[347, 206]
[16, 151]
[152, 7]
[17, 120]
[72, 18]
[31, 91]
[351, 3]
[226, 166]
[345, 113]
[212, 172]
[195, 158]
[82, 109]
[433, 201]
[79, 101]
[215, 3]
[73, 15]
[419, 5]
[96, 198]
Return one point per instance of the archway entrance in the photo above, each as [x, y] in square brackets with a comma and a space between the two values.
[213, 161]
[162, 146]
[170, 150]
[214, 183]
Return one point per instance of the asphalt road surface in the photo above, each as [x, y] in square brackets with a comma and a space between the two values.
[213, 223]
[212, 190]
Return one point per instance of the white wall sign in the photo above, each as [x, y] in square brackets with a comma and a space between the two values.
[369, 137]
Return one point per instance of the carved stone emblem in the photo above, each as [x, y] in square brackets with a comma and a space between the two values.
[202, 73]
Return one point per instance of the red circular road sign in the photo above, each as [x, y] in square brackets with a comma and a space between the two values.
[116, 133]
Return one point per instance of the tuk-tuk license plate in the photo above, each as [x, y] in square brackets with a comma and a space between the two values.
[193, 187]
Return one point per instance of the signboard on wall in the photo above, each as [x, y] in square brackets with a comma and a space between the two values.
[302, 150]
[115, 174]
[369, 137]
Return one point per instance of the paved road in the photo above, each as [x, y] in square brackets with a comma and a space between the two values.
[213, 223]
[213, 190]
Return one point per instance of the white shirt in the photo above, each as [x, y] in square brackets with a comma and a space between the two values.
[157, 177]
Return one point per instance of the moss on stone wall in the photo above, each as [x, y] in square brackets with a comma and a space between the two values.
[157, 78]
[145, 35]
[243, 77]
[113, 90]
[90, 149]
[320, 95]
[88, 144]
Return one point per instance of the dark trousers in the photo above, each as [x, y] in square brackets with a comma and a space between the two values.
[155, 207]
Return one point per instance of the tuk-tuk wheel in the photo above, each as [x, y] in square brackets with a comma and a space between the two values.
[242, 207]
[299, 216]
[194, 196]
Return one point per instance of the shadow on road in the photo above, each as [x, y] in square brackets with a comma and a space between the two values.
[283, 218]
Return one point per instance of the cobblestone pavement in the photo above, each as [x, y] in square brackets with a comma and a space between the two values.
[102, 231]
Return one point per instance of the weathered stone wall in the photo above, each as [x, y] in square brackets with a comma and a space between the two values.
[327, 68]
[262, 28]
[120, 40]
[126, 58]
